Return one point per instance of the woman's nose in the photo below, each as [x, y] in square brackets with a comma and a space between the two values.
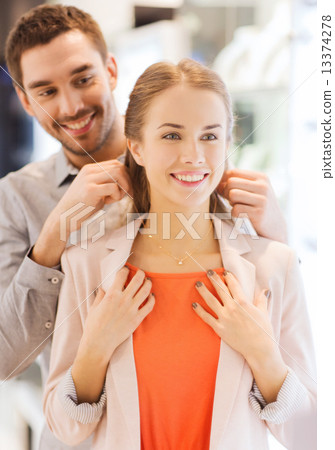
[192, 153]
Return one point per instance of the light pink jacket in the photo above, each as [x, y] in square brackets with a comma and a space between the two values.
[258, 264]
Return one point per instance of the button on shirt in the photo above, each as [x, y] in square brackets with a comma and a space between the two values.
[48, 324]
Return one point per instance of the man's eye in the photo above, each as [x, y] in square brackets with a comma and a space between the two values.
[172, 136]
[209, 137]
[47, 93]
[84, 80]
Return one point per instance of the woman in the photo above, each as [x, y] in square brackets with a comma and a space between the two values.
[202, 340]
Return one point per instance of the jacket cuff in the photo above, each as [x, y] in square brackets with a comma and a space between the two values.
[289, 399]
[84, 412]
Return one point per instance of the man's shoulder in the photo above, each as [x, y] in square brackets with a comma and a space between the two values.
[39, 172]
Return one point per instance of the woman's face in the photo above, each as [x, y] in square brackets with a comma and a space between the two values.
[183, 147]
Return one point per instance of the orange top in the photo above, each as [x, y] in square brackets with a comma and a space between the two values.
[176, 357]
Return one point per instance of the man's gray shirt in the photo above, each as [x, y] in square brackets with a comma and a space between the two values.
[28, 291]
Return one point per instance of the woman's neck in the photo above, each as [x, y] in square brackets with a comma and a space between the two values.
[176, 242]
[178, 229]
[176, 239]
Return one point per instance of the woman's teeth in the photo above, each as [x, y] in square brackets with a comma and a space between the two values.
[190, 178]
[79, 125]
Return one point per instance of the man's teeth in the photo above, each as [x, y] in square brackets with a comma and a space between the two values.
[190, 178]
[79, 125]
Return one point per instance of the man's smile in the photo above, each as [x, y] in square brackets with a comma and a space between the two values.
[80, 126]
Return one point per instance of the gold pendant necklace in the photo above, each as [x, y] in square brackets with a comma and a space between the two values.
[180, 261]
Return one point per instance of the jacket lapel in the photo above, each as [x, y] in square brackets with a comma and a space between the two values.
[121, 372]
[120, 244]
[231, 363]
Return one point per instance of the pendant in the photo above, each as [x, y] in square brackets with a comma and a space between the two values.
[180, 262]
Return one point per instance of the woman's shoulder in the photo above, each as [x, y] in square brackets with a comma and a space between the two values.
[91, 243]
[272, 255]
[85, 255]
[257, 249]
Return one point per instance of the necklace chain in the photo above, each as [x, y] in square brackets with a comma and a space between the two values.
[188, 254]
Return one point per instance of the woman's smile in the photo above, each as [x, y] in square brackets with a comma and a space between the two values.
[189, 178]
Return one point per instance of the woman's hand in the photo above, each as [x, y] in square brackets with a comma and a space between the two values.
[116, 314]
[112, 318]
[242, 325]
[246, 328]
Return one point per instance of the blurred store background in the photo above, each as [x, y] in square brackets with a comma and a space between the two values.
[265, 52]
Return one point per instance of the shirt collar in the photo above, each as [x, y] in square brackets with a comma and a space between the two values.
[64, 168]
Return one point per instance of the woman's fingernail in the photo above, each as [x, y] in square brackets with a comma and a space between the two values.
[268, 294]
[149, 279]
[194, 305]
[198, 284]
[225, 273]
[210, 272]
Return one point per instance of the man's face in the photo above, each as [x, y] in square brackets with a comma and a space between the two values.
[69, 91]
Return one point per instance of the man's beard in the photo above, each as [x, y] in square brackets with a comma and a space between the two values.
[85, 152]
[105, 135]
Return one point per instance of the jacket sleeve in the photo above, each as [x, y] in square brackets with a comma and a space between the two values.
[297, 397]
[71, 423]
[289, 400]
[28, 292]
[83, 412]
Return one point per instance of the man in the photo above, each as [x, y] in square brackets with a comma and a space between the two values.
[65, 78]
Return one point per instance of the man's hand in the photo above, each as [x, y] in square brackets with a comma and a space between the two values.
[95, 185]
[251, 193]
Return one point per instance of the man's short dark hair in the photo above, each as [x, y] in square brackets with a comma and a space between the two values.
[42, 24]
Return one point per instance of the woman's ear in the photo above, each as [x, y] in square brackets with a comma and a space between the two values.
[135, 149]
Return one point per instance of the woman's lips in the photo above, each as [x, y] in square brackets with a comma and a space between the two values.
[189, 179]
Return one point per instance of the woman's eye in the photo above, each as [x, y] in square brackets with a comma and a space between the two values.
[172, 136]
[209, 137]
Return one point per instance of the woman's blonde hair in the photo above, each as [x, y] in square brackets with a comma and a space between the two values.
[154, 80]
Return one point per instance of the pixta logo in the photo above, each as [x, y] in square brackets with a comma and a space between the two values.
[75, 230]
